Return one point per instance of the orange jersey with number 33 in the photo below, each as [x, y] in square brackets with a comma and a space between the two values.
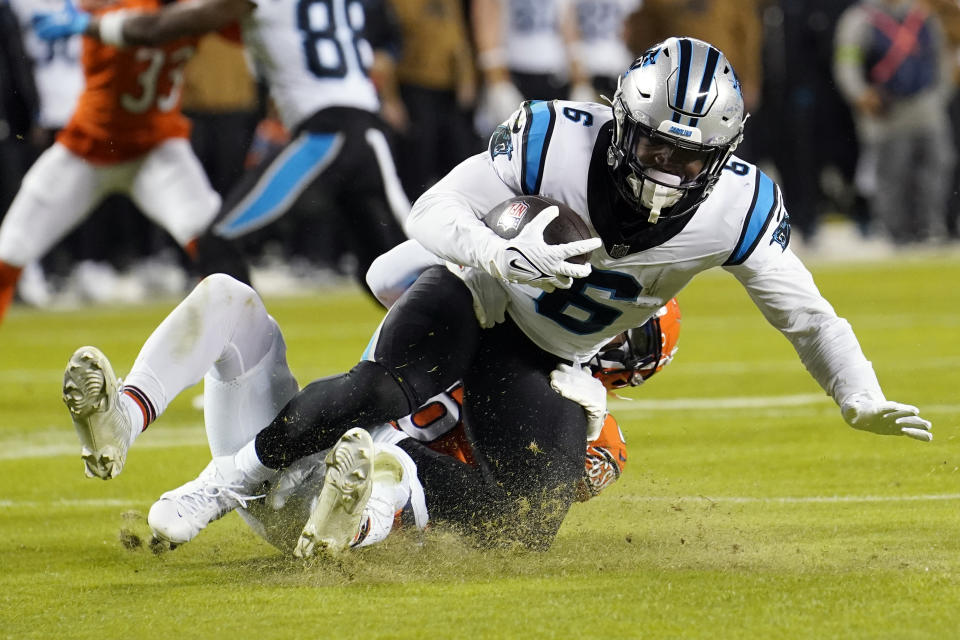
[131, 101]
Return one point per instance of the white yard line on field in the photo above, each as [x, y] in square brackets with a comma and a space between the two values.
[22, 375]
[740, 402]
[931, 497]
[53, 442]
[935, 497]
[59, 441]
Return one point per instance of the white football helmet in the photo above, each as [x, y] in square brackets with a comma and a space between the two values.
[678, 116]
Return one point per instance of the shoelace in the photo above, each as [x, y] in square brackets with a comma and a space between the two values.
[194, 502]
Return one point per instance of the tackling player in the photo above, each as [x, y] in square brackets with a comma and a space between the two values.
[317, 61]
[240, 353]
[127, 135]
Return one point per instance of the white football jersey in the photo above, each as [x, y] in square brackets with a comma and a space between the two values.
[56, 65]
[532, 36]
[313, 55]
[600, 22]
[554, 149]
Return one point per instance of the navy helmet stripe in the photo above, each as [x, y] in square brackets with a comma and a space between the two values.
[536, 139]
[683, 73]
[708, 70]
[762, 209]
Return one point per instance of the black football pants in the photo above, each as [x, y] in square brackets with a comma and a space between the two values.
[528, 440]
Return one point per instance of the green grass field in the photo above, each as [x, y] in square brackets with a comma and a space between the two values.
[748, 508]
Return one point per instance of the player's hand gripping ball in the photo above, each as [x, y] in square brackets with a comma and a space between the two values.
[544, 243]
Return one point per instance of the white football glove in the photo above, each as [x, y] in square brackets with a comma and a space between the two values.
[886, 418]
[489, 297]
[500, 100]
[527, 259]
[578, 384]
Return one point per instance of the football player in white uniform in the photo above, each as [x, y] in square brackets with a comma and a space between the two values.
[316, 59]
[656, 181]
[239, 352]
[525, 51]
[601, 49]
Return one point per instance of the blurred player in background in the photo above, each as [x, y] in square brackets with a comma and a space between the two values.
[317, 62]
[55, 70]
[525, 51]
[600, 48]
[19, 103]
[127, 135]
[892, 65]
[437, 81]
[239, 352]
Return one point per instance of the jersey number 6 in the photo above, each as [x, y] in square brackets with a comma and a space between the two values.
[577, 312]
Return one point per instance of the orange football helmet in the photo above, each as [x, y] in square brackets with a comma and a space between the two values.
[606, 459]
[635, 355]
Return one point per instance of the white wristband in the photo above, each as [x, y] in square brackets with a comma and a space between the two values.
[111, 28]
[492, 58]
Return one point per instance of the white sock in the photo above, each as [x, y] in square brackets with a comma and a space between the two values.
[386, 433]
[249, 465]
[135, 414]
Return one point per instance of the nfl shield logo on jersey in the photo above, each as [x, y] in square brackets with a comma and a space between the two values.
[512, 216]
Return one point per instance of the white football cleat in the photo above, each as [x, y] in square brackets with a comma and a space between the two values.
[394, 477]
[91, 393]
[335, 520]
[182, 513]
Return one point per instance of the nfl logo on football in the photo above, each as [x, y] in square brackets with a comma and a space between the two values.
[512, 217]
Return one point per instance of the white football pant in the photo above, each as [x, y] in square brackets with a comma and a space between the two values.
[61, 189]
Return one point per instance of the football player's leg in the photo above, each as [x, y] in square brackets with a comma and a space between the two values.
[390, 186]
[266, 194]
[262, 196]
[425, 343]
[222, 325]
[372, 230]
[220, 331]
[369, 195]
[172, 190]
[933, 168]
[528, 440]
[57, 192]
[893, 198]
[393, 272]
[292, 498]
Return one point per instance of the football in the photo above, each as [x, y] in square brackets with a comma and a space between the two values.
[509, 217]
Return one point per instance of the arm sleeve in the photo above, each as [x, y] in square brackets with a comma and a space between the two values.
[382, 28]
[784, 291]
[447, 218]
